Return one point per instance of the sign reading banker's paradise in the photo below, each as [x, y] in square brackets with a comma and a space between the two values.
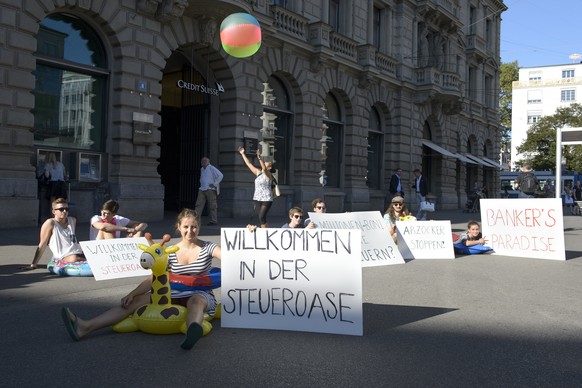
[378, 247]
[292, 279]
[115, 258]
[524, 227]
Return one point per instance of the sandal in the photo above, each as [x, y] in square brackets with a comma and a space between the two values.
[70, 321]
[29, 267]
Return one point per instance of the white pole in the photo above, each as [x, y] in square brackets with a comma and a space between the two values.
[558, 162]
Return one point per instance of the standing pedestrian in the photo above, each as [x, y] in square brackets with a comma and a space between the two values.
[526, 182]
[420, 187]
[210, 178]
[395, 188]
[54, 170]
[263, 195]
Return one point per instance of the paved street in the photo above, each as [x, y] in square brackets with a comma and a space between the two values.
[488, 321]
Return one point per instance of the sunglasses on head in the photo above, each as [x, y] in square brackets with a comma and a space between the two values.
[62, 209]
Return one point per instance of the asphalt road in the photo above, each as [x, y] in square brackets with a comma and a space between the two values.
[487, 321]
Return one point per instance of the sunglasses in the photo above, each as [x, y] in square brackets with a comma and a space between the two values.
[62, 209]
[297, 216]
[321, 207]
[396, 204]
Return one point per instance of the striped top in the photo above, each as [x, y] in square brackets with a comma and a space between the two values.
[201, 266]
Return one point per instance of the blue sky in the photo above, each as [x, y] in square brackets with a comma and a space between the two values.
[541, 33]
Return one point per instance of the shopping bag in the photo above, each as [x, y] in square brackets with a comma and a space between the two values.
[426, 206]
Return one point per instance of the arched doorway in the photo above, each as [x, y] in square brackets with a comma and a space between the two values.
[184, 131]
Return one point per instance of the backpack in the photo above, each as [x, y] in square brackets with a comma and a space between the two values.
[528, 183]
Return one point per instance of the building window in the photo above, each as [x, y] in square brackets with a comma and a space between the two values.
[281, 108]
[534, 97]
[375, 152]
[568, 73]
[335, 133]
[70, 87]
[334, 15]
[533, 118]
[535, 76]
[568, 95]
[472, 20]
[377, 27]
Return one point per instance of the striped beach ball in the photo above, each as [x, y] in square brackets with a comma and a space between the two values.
[240, 34]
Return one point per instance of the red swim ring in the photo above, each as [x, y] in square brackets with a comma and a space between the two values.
[207, 281]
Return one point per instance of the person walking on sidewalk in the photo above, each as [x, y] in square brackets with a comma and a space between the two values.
[210, 178]
[421, 188]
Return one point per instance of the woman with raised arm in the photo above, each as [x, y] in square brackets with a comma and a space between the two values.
[263, 195]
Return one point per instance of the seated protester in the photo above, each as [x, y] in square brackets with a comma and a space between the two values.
[395, 212]
[472, 236]
[59, 234]
[110, 225]
[295, 217]
[318, 206]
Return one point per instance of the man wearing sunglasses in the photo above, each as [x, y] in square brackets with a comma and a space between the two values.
[58, 233]
[296, 218]
[318, 206]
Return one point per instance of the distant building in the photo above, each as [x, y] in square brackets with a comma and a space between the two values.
[539, 92]
[131, 94]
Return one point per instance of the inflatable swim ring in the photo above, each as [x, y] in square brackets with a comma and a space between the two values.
[207, 281]
[472, 250]
[462, 249]
[64, 268]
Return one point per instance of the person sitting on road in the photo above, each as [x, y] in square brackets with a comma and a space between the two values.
[395, 211]
[58, 233]
[110, 225]
[193, 258]
[472, 236]
[295, 217]
[318, 206]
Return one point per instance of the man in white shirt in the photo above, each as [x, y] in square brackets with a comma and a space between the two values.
[210, 178]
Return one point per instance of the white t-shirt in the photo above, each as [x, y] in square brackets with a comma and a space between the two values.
[117, 220]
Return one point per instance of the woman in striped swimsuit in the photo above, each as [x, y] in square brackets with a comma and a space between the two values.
[194, 258]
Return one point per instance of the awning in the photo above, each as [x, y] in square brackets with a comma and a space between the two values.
[494, 163]
[438, 148]
[464, 159]
[480, 161]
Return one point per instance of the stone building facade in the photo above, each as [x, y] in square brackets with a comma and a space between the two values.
[131, 94]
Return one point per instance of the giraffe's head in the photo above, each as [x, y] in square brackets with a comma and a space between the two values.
[155, 256]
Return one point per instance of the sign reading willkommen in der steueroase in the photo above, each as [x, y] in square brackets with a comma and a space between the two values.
[378, 248]
[292, 279]
[115, 258]
[524, 227]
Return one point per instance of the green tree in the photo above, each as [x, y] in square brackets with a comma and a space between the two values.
[539, 147]
[509, 73]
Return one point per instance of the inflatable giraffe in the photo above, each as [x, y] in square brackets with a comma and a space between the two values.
[159, 316]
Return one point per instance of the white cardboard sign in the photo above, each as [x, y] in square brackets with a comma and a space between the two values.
[378, 248]
[524, 227]
[292, 279]
[425, 239]
[115, 258]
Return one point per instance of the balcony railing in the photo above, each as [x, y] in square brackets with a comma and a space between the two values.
[289, 22]
[548, 82]
[343, 45]
[385, 63]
